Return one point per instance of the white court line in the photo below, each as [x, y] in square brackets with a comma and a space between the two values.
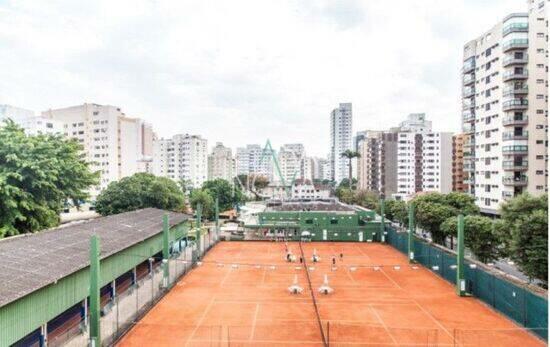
[383, 324]
[420, 306]
[254, 322]
[226, 276]
[301, 342]
[200, 320]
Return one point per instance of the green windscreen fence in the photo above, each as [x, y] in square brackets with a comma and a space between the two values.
[518, 303]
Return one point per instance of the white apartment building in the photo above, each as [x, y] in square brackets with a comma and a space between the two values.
[341, 124]
[221, 163]
[33, 125]
[114, 144]
[290, 158]
[408, 159]
[505, 109]
[182, 157]
[250, 160]
[318, 168]
[306, 190]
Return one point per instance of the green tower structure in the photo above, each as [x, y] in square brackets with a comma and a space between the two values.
[412, 228]
[95, 333]
[165, 250]
[382, 221]
[198, 229]
[460, 281]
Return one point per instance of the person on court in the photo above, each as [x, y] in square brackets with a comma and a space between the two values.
[333, 260]
[342, 256]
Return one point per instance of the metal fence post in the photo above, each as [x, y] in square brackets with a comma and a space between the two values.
[382, 222]
[460, 282]
[411, 232]
[95, 333]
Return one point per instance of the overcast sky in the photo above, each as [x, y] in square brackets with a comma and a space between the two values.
[243, 71]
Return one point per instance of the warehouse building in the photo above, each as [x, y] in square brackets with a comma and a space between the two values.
[45, 277]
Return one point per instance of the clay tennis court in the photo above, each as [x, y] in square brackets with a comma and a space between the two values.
[239, 296]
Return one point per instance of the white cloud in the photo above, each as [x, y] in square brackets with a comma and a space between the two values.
[244, 71]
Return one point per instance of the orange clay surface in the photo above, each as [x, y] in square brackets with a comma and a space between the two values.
[224, 302]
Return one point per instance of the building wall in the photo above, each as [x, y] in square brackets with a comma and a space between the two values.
[182, 157]
[458, 163]
[110, 139]
[221, 163]
[250, 160]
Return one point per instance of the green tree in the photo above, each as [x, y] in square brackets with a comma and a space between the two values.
[38, 175]
[523, 231]
[464, 203]
[345, 195]
[140, 191]
[204, 197]
[367, 199]
[432, 210]
[349, 155]
[185, 185]
[396, 210]
[479, 236]
[227, 196]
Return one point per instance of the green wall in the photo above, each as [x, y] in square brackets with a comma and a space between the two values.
[19, 318]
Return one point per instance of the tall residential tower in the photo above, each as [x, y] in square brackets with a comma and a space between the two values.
[341, 124]
[505, 109]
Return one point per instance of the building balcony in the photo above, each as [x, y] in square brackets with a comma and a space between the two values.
[515, 44]
[468, 155]
[469, 65]
[513, 120]
[468, 79]
[468, 92]
[510, 75]
[468, 116]
[468, 129]
[511, 165]
[511, 135]
[507, 195]
[515, 28]
[514, 181]
[468, 105]
[514, 104]
[514, 149]
[468, 168]
[515, 91]
[511, 60]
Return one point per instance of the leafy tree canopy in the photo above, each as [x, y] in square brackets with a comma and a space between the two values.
[523, 230]
[140, 191]
[396, 210]
[479, 236]
[227, 196]
[38, 175]
[204, 197]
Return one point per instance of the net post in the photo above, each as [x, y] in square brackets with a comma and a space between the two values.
[95, 333]
[382, 222]
[460, 281]
[165, 250]
[412, 227]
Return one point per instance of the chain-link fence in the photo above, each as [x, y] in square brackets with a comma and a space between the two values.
[516, 301]
[133, 298]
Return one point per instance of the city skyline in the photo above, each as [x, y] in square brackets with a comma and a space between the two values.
[266, 83]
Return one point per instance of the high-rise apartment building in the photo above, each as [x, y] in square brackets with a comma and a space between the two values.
[341, 127]
[405, 160]
[114, 144]
[318, 168]
[250, 160]
[32, 124]
[458, 162]
[291, 162]
[221, 163]
[183, 157]
[505, 109]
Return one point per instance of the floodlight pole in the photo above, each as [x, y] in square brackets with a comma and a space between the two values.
[165, 250]
[412, 228]
[460, 281]
[382, 222]
[95, 334]
[198, 226]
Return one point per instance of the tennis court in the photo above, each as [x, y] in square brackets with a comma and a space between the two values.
[239, 296]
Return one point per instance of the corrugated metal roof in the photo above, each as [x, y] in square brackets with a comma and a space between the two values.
[32, 261]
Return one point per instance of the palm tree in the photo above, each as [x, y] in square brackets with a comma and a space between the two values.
[349, 154]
